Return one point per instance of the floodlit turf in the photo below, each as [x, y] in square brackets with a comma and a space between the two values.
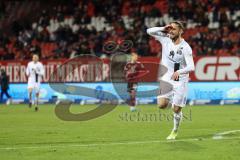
[120, 134]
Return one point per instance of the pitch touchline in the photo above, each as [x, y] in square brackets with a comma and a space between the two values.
[111, 144]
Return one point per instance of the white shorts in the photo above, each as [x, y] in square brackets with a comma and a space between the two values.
[178, 95]
[35, 86]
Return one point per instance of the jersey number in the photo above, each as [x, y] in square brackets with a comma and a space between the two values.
[171, 54]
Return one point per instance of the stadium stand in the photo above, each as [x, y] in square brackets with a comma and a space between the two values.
[68, 28]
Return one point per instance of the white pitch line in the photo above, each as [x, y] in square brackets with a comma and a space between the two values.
[93, 144]
[110, 144]
[221, 134]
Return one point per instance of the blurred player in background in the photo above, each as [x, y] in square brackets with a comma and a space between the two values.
[177, 57]
[132, 70]
[4, 80]
[35, 72]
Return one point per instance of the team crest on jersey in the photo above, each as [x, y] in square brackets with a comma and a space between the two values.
[180, 51]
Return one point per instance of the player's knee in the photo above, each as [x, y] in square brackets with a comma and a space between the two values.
[177, 109]
[162, 103]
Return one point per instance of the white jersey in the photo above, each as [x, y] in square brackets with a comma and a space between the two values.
[35, 72]
[174, 54]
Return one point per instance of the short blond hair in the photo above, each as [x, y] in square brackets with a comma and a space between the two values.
[180, 24]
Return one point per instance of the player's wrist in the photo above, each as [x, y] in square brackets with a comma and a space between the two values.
[178, 72]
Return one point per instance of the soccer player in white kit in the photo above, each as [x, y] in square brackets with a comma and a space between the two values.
[177, 57]
[35, 72]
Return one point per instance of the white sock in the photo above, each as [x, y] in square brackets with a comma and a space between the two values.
[132, 108]
[177, 117]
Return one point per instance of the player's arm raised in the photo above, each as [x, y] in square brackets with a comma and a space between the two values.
[160, 33]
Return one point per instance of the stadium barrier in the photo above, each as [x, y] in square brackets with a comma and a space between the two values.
[210, 68]
[215, 81]
[199, 93]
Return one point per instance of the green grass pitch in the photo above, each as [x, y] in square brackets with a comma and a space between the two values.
[120, 134]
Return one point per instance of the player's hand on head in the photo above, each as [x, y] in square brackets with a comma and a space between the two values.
[168, 27]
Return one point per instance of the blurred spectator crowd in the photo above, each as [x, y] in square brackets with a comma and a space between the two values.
[78, 27]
